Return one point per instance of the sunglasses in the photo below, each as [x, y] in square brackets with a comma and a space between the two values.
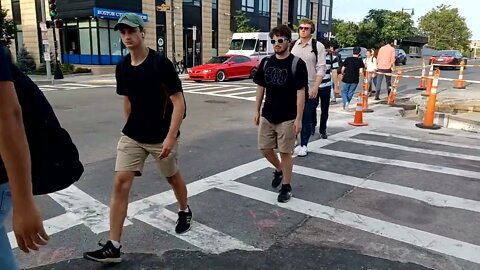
[304, 28]
[279, 41]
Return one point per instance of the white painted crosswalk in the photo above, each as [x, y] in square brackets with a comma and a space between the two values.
[70, 86]
[81, 209]
[236, 90]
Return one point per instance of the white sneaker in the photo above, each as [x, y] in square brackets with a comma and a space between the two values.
[302, 151]
[297, 149]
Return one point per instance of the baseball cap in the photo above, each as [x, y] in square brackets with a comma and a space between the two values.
[129, 19]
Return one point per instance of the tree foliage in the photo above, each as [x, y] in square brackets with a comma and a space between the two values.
[7, 28]
[445, 28]
[25, 61]
[243, 23]
[346, 33]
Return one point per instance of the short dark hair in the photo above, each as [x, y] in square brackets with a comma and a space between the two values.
[280, 31]
[326, 43]
[356, 50]
[389, 41]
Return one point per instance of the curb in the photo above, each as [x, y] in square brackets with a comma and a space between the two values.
[453, 121]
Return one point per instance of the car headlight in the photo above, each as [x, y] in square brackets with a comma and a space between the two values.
[207, 71]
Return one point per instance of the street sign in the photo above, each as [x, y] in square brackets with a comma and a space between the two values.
[46, 56]
[194, 35]
[43, 26]
[163, 7]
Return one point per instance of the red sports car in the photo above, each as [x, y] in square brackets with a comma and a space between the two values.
[221, 68]
[448, 57]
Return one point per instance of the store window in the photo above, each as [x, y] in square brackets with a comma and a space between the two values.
[248, 5]
[302, 9]
[264, 8]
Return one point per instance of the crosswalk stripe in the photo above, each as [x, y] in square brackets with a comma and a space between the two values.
[426, 240]
[52, 226]
[202, 236]
[227, 90]
[429, 197]
[453, 144]
[92, 213]
[242, 93]
[399, 163]
[413, 149]
[203, 89]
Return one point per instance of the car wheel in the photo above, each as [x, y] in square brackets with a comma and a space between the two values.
[253, 72]
[220, 77]
[404, 62]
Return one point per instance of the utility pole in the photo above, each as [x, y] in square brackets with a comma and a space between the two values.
[46, 47]
[172, 8]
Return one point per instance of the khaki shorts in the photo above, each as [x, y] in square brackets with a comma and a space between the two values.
[131, 156]
[280, 136]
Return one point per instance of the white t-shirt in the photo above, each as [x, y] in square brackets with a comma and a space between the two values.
[370, 63]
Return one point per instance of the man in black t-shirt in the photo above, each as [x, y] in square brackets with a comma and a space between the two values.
[352, 67]
[282, 79]
[15, 162]
[154, 108]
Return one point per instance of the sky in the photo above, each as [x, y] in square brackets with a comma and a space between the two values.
[356, 10]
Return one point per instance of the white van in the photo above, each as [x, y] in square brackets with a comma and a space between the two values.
[254, 45]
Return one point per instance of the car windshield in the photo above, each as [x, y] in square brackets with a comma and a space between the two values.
[445, 53]
[249, 44]
[218, 59]
[344, 53]
[236, 44]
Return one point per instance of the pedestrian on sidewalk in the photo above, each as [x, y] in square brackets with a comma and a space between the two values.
[385, 64]
[370, 63]
[282, 80]
[15, 173]
[154, 107]
[352, 68]
[312, 52]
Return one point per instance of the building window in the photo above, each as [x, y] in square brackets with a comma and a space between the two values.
[248, 5]
[280, 9]
[192, 2]
[264, 8]
[325, 19]
[214, 4]
[302, 9]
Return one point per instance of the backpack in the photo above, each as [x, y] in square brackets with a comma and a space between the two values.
[55, 159]
[314, 47]
[156, 64]
[294, 63]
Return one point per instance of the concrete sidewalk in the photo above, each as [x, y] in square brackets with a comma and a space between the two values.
[455, 108]
[84, 78]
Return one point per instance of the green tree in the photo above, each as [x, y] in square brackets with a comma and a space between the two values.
[381, 25]
[445, 28]
[243, 23]
[346, 33]
[7, 28]
[25, 61]
[366, 36]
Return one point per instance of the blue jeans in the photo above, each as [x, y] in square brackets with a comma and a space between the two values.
[7, 259]
[307, 120]
[348, 89]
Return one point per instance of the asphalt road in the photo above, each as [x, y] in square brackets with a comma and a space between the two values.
[385, 196]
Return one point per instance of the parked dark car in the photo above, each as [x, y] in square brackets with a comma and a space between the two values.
[348, 51]
[400, 57]
[448, 57]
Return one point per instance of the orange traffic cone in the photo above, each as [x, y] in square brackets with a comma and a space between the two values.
[365, 93]
[430, 110]
[423, 80]
[358, 119]
[393, 93]
[429, 85]
[460, 76]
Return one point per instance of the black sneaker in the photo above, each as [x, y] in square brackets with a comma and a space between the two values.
[107, 254]
[324, 135]
[184, 221]
[277, 178]
[285, 194]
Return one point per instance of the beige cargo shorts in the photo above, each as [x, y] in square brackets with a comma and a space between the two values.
[276, 136]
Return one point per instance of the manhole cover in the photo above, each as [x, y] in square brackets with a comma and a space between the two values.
[216, 101]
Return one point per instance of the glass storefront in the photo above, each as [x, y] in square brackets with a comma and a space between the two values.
[91, 41]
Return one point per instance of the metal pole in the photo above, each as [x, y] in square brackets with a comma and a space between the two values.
[172, 8]
[47, 62]
[58, 72]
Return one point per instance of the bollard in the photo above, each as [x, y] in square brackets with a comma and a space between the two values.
[365, 93]
[430, 110]
[423, 80]
[460, 76]
[393, 92]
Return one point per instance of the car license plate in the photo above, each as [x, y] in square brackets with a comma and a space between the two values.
[440, 59]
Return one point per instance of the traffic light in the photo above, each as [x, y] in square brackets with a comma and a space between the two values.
[53, 8]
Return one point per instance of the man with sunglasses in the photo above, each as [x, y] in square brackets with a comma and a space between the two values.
[313, 53]
[284, 77]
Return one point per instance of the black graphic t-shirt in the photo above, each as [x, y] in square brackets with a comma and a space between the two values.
[281, 87]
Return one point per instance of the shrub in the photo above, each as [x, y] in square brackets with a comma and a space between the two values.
[25, 61]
